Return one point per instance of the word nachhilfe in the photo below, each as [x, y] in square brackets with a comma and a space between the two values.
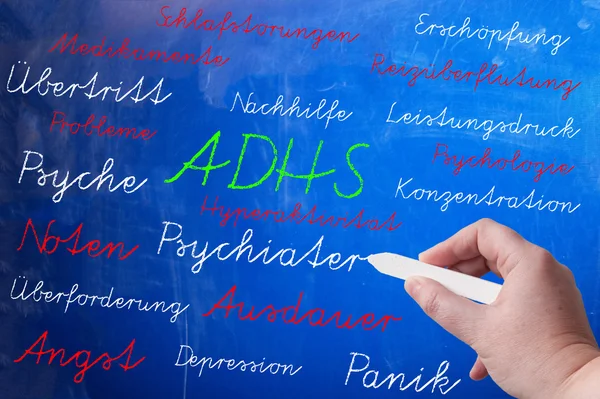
[250, 107]
[233, 215]
[64, 184]
[213, 142]
[421, 28]
[485, 160]
[59, 88]
[88, 128]
[370, 378]
[285, 257]
[488, 126]
[72, 296]
[207, 24]
[192, 360]
[482, 76]
[447, 197]
[92, 247]
[81, 359]
[314, 317]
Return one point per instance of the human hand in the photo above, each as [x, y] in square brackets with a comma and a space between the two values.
[535, 340]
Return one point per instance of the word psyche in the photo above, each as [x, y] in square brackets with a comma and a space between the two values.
[213, 142]
[81, 359]
[64, 184]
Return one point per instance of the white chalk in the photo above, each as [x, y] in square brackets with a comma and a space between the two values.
[401, 267]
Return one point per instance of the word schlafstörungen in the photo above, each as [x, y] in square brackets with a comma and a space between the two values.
[314, 317]
[207, 24]
[293, 110]
[485, 160]
[89, 128]
[531, 201]
[72, 296]
[81, 359]
[482, 76]
[484, 33]
[43, 86]
[285, 257]
[64, 184]
[280, 216]
[487, 126]
[93, 248]
[189, 359]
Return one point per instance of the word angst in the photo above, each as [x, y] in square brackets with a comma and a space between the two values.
[282, 171]
[315, 317]
[92, 247]
[80, 359]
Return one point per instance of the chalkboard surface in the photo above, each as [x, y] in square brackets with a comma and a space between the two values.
[190, 189]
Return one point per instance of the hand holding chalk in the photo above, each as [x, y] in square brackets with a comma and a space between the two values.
[534, 339]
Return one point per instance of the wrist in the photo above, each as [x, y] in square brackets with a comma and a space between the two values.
[584, 382]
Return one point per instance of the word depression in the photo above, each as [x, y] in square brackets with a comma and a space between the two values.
[50, 243]
[281, 171]
[314, 317]
[81, 359]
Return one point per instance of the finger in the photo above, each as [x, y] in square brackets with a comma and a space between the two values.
[500, 246]
[478, 371]
[458, 315]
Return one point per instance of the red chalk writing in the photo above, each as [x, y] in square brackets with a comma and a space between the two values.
[50, 243]
[81, 359]
[539, 168]
[314, 317]
[296, 216]
[484, 75]
[262, 29]
[96, 128]
[103, 49]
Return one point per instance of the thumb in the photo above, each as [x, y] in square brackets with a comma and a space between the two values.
[456, 314]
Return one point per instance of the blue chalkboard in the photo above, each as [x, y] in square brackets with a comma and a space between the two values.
[190, 189]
